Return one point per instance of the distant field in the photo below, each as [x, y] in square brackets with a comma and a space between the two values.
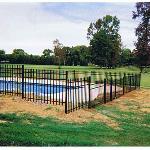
[145, 80]
[82, 68]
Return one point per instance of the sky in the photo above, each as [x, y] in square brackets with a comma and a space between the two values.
[34, 26]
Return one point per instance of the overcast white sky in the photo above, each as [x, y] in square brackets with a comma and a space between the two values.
[34, 26]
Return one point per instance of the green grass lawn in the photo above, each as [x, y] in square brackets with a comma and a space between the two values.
[145, 79]
[28, 130]
[82, 68]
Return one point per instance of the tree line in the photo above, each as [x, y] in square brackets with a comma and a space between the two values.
[105, 48]
[69, 56]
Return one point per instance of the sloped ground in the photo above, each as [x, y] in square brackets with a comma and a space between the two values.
[124, 121]
[12, 104]
[135, 101]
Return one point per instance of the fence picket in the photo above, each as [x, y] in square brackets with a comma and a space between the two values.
[55, 87]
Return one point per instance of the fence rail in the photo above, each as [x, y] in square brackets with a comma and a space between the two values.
[57, 88]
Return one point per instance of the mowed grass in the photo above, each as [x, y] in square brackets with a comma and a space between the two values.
[29, 130]
[145, 78]
[79, 68]
[83, 68]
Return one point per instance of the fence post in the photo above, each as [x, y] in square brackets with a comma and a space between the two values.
[111, 82]
[22, 81]
[120, 76]
[0, 77]
[5, 79]
[106, 75]
[89, 82]
[139, 80]
[130, 81]
[66, 104]
[115, 87]
[135, 79]
[74, 72]
[104, 90]
[123, 84]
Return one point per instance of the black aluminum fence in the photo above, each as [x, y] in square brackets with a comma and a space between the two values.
[44, 86]
[95, 75]
[55, 87]
[83, 93]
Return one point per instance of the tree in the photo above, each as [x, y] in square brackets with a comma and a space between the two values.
[59, 52]
[81, 55]
[18, 56]
[143, 33]
[19, 52]
[2, 55]
[127, 57]
[78, 55]
[105, 41]
[47, 53]
[57, 47]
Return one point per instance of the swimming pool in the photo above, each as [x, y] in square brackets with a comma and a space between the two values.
[30, 87]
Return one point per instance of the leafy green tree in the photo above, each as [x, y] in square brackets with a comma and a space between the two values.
[78, 55]
[143, 33]
[47, 53]
[2, 55]
[83, 55]
[19, 52]
[59, 52]
[127, 57]
[18, 56]
[47, 57]
[105, 41]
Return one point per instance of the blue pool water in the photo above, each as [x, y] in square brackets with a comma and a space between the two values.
[30, 87]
